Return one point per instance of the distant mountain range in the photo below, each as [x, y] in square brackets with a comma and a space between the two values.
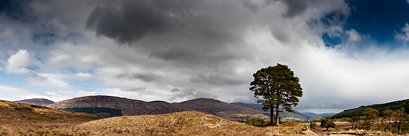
[116, 106]
[109, 106]
[395, 105]
[36, 101]
[310, 114]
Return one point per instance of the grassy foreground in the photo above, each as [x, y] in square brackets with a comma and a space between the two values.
[180, 123]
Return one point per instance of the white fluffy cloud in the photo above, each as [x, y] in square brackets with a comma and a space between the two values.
[18, 63]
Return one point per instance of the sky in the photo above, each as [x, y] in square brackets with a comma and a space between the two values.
[346, 53]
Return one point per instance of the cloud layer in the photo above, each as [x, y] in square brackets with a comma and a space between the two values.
[184, 49]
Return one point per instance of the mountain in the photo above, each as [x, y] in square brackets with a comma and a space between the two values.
[213, 106]
[253, 106]
[27, 112]
[310, 114]
[395, 105]
[37, 101]
[106, 105]
[125, 106]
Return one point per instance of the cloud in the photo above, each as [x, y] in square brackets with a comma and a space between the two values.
[131, 22]
[140, 76]
[404, 36]
[354, 36]
[250, 5]
[318, 7]
[184, 49]
[189, 93]
[83, 76]
[18, 63]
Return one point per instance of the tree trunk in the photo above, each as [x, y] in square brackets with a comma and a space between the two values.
[271, 115]
[389, 123]
[277, 116]
[399, 127]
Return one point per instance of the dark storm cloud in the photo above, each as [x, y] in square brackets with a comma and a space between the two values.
[295, 7]
[131, 22]
[135, 20]
[15, 9]
[188, 31]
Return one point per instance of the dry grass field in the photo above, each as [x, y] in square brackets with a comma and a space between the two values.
[180, 123]
[25, 119]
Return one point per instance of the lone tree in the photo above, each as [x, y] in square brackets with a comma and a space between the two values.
[274, 87]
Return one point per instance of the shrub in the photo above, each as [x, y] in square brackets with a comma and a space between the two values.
[313, 125]
[326, 123]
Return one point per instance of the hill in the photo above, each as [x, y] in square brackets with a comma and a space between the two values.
[213, 106]
[27, 112]
[179, 123]
[253, 106]
[380, 107]
[37, 101]
[110, 104]
[125, 106]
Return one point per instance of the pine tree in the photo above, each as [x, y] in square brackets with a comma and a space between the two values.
[274, 87]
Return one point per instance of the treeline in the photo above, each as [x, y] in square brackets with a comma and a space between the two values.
[256, 121]
[380, 107]
[395, 121]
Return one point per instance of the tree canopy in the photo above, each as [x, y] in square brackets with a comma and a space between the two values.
[326, 123]
[274, 87]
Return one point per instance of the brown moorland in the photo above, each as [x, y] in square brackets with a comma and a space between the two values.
[27, 112]
[25, 119]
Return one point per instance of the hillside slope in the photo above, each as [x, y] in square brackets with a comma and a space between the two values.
[395, 105]
[27, 112]
[136, 107]
[179, 123]
[37, 101]
[253, 106]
